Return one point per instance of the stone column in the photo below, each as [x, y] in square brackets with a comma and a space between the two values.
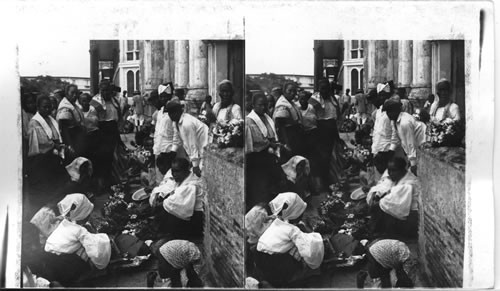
[171, 59]
[94, 67]
[167, 74]
[181, 64]
[391, 73]
[405, 64]
[381, 61]
[370, 67]
[421, 79]
[198, 74]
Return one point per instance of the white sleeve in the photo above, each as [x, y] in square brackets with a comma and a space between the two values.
[398, 202]
[248, 138]
[98, 248]
[181, 203]
[310, 247]
[236, 112]
[33, 142]
[408, 141]
[454, 112]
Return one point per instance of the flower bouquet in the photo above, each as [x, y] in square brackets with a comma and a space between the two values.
[229, 134]
[446, 133]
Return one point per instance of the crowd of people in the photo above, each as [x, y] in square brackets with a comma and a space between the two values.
[294, 151]
[73, 153]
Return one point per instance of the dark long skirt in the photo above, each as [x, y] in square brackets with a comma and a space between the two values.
[105, 152]
[264, 178]
[277, 269]
[391, 227]
[327, 135]
[311, 151]
[296, 142]
[79, 143]
[177, 228]
[65, 268]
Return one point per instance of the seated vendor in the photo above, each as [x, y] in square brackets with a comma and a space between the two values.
[393, 201]
[178, 205]
[70, 249]
[282, 252]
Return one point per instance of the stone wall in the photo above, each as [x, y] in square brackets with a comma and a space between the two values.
[442, 215]
[224, 216]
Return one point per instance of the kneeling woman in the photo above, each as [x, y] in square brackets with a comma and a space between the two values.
[70, 249]
[282, 252]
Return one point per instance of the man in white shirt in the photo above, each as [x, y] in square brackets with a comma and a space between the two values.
[385, 139]
[165, 136]
[192, 133]
[411, 133]
[443, 107]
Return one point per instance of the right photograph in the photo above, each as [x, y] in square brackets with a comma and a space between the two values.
[355, 163]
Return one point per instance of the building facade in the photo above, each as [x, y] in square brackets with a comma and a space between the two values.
[352, 69]
[196, 66]
[416, 66]
[129, 72]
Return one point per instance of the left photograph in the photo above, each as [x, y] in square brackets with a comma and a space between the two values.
[132, 163]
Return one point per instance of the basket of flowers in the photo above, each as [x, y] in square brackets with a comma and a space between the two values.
[229, 134]
[448, 132]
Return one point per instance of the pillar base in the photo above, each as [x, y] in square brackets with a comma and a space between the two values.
[418, 95]
[194, 99]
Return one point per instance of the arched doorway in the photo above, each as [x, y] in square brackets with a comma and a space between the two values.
[354, 81]
[130, 83]
[137, 81]
[361, 79]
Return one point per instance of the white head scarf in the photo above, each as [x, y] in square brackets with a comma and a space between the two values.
[225, 82]
[290, 167]
[165, 88]
[295, 205]
[383, 87]
[73, 169]
[83, 207]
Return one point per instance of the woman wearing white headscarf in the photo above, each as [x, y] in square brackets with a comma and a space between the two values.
[68, 236]
[284, 254]
[297, 171]
[68, 242]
